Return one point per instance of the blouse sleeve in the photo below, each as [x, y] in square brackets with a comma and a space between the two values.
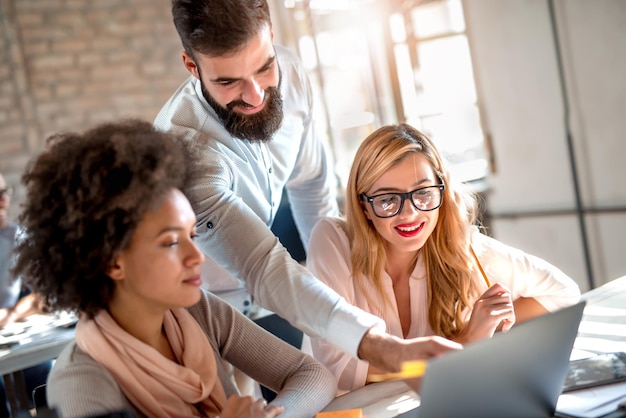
[329, 260]
[525, 275]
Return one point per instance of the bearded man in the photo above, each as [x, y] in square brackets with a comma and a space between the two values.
[246, 119]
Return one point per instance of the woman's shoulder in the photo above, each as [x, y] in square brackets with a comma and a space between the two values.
[213, 314]
[488, 246]
[331, 226]
[329, 235]
[73, 357]
[75, 364]
[481, 241]
[208, 304]
[80, 386]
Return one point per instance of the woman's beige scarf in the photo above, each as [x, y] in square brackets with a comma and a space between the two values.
[154, 384]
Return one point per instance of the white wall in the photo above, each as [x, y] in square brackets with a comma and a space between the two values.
[515, 64]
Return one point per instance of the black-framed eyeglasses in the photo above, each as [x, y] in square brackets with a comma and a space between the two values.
[388, 205]
[7, 191]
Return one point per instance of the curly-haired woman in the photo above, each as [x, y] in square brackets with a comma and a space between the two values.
[409, 252]
[112, 237]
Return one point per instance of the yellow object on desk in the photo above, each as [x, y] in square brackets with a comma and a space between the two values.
[346, 413]
[410, 370]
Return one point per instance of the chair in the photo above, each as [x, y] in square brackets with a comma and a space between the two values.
[39, 398]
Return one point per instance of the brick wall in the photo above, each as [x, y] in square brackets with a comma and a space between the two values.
[68, 64]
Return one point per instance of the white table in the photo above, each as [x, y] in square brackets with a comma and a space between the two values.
[378, 400]
[602, 329]
[37, 340]
[35, 351]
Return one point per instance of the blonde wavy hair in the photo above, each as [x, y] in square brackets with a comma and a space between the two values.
[446, 253]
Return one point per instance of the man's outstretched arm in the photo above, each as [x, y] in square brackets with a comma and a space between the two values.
[388, 352]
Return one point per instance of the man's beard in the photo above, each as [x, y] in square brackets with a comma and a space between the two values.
[257, 127]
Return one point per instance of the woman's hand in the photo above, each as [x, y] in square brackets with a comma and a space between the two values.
[246, 407]
[494, 307]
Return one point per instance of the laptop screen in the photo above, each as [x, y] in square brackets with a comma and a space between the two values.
[514, 374]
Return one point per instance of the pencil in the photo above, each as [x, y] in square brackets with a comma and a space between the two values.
[480, 267]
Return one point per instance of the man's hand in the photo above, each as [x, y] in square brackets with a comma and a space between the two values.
[387, 352]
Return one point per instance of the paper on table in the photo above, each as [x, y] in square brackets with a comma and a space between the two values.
[593, 402]
[33, 327]
[379, 400]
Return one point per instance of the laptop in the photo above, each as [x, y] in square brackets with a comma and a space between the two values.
[515, 374]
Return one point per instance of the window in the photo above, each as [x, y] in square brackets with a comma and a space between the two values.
[437, 83]
[375, 62]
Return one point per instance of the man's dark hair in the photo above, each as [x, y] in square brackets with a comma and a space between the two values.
[86, 193]
[218, 27]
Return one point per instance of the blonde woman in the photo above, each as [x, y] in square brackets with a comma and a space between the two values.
[408, 251]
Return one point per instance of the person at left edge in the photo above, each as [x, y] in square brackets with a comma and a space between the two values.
[17, 302]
